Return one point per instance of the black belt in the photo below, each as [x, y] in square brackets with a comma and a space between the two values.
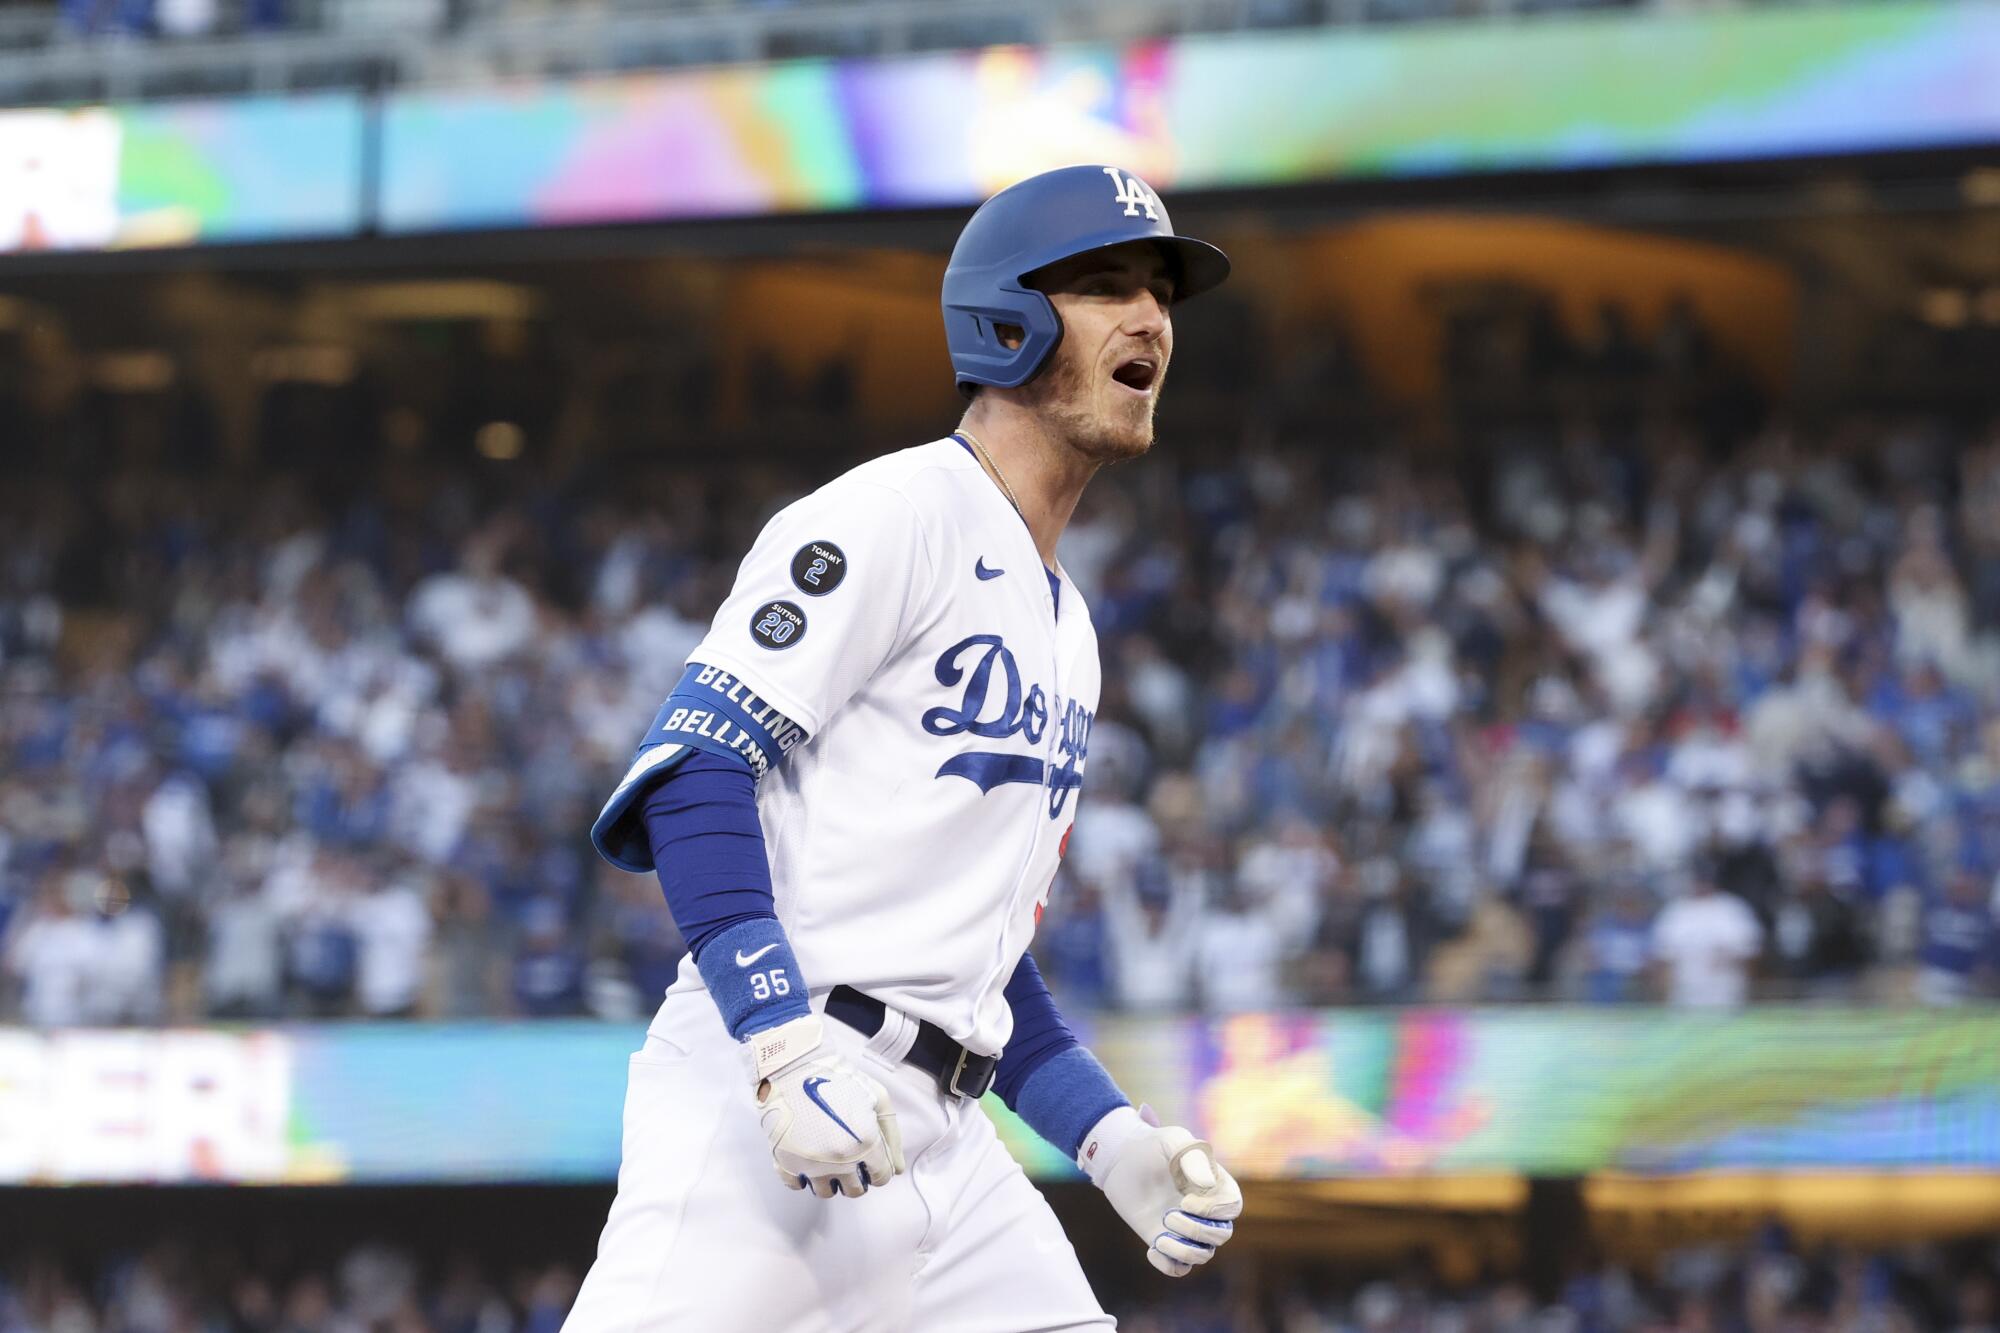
[960, 1072]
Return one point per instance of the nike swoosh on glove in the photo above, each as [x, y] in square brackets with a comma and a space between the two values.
[1166, 1184]
[832, 1128]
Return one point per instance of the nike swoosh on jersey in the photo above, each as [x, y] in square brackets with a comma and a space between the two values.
[742, 961]
[982, 573]
[812, 1086]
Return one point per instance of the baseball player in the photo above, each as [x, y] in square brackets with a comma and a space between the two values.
[855, 800]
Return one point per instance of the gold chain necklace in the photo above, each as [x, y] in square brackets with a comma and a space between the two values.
[998, 475]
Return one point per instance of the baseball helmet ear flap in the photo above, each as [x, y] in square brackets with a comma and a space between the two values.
[978, 329]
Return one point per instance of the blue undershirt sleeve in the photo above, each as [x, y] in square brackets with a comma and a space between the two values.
[1045, 1075]
[708, 850]
[708, 846]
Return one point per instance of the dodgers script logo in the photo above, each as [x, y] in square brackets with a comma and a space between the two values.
[995, 706]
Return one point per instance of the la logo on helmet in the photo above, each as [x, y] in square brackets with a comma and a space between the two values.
[1135, 194]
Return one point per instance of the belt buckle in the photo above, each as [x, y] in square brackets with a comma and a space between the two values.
[958, 1071]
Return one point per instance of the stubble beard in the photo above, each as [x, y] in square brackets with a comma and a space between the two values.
[1062, 396]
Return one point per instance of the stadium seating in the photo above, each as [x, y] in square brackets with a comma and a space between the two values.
[1534, 715]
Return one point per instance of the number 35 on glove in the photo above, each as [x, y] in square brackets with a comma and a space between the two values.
[1166, 1184]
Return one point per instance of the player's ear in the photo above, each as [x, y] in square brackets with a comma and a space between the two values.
[1011, 336]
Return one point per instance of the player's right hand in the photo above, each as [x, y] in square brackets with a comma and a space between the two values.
[832, 1127]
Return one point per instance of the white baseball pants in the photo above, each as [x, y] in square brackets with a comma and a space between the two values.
[703, 1236]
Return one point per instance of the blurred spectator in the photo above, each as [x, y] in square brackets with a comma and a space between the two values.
[1706, 940]
[1957, 948]
[476, 616]
[186, 18]
[244, 973]
[1391, 937]
[321, 954]
[1820, 940]
[464, 965]
[642, 938]
[1239, 948]
[89, 955]
[1489, 960]
[1071, 945]
[1153, 934]
[53, 951]
[1551, 895]
[107, 17]
[392, 933]
[1618, 947]
[548, 971]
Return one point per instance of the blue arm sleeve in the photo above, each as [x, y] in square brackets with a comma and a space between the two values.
[708, 849]
[1045, 1075]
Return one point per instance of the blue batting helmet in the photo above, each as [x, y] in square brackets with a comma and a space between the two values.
[1031, 225]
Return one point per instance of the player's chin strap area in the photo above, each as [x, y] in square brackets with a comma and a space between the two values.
[958, 1071]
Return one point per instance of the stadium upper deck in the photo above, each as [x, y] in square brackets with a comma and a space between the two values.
[71, 51]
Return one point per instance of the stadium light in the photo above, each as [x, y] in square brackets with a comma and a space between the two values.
[499, 440]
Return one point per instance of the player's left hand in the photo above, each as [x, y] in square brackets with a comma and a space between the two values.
[1166, 1184]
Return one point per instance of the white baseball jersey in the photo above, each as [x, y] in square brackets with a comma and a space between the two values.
[902, 617]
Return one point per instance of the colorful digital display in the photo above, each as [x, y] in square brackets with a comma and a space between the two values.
[1198, 112]
[1205, 112]
[180, 173]
[1303, 1095]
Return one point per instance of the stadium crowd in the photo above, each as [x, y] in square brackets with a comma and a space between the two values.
[1608, 708]
[1770, 1284]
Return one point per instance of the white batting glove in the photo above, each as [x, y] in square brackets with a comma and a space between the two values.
[1166, 1184]
[832, 1128]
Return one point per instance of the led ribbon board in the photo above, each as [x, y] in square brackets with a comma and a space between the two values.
[180, 173]
[1206, 112]
[1347, 1093]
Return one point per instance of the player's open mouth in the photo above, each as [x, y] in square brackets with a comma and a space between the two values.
[1137, 374]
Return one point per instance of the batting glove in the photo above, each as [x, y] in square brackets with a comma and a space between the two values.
[1166, 1184]
[831, 1127]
